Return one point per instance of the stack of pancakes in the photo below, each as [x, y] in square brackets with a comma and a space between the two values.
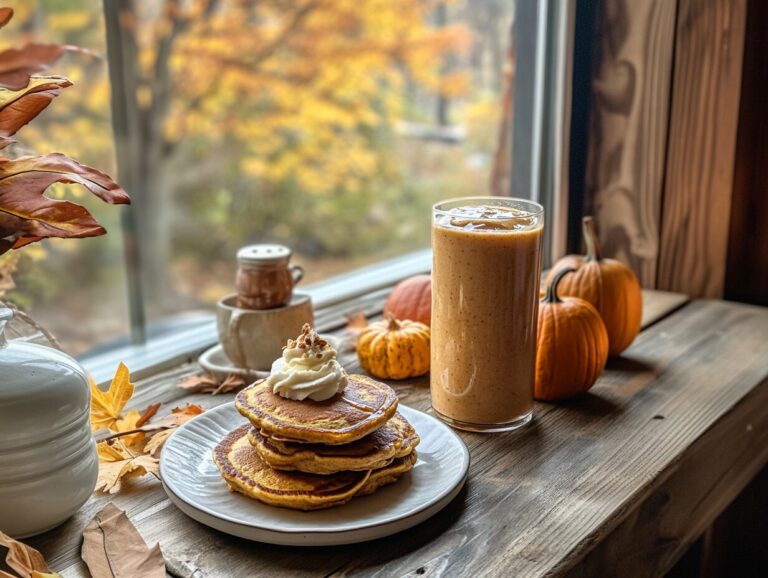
[309, 455]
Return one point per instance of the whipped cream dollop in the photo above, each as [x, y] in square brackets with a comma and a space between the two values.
[307, 369]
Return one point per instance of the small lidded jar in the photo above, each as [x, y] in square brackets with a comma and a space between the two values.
[265, 279]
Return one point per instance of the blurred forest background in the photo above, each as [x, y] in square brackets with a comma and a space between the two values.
[330, 126]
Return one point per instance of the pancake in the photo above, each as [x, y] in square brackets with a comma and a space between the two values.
[394, 439]
[245, 472]
[363, 407]
[388, 475]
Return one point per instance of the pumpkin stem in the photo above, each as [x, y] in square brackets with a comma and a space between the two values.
[394, 324]
[551, 296]
[590, 240]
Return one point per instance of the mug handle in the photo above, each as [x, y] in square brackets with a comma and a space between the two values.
[297, 273]
[233, 335]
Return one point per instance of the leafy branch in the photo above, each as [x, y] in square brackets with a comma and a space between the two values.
[26, 214]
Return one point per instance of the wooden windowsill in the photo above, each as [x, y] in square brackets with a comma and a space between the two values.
[619, 482]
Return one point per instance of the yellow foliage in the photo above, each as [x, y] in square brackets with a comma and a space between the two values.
[116, 463]
[106, 406]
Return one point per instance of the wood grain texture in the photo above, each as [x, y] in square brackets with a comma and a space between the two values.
[701, 146]
[628, 129]
[542, 500]
[673, 515]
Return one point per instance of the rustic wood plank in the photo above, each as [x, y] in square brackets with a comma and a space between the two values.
[746, 276]
[539, 500]
[628, 129]
[701, 146]
[683, 506]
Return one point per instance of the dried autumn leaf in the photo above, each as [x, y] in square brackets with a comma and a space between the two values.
[182, 415]
[233, 382]
[22, 559]
[113, 548]
[116, 463]
[18, 107]
[210, 384]
[178, 416]
[357, 321]
[17, 64]
[134, 424]
[156, 442]
[198, 383]
[27, 215]
[148, 414]
[107, 406]
[5, 15]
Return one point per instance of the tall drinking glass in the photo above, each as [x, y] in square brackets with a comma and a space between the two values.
[486, 267]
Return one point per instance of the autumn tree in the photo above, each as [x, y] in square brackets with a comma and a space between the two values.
[294, 90]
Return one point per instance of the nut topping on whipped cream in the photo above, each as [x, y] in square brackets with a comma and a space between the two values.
[307, 369]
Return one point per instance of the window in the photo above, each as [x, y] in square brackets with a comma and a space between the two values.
[329, 126]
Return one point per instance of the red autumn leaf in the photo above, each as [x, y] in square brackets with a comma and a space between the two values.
[18, 64]
[27, 215]
[19, 107]
[5, 15]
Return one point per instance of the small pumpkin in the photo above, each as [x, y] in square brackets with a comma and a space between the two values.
[609, 285]
[411, 299]
[392, 349]
[572, 345]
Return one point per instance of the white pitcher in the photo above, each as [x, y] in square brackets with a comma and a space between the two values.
[48, 460]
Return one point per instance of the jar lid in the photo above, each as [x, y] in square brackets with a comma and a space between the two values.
[268, 253]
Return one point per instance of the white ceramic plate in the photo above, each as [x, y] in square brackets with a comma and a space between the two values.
[193, 483]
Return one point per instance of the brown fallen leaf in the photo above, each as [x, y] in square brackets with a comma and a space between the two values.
[156, 442]
[148, 414]
[117, 463]
[356, 323]
[164, 426]
[206, 383]
[113, 548]
[133, 424]
[233, 382]
[22, 559]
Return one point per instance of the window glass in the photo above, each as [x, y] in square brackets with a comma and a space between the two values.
[330, 126]
[73, 287]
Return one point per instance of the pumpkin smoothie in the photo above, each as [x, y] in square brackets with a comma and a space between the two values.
[485, 286]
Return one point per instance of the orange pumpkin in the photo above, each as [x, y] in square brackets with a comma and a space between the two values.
[411, 299]
[392, 349]
[572, 345]
[609, 285]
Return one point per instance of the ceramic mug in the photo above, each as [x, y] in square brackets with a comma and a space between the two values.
[254, 338]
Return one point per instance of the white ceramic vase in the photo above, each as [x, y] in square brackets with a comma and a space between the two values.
[48, 460]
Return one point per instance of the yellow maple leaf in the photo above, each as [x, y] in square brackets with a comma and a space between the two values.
[106, 406]
[127, 423]
[116, 464]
